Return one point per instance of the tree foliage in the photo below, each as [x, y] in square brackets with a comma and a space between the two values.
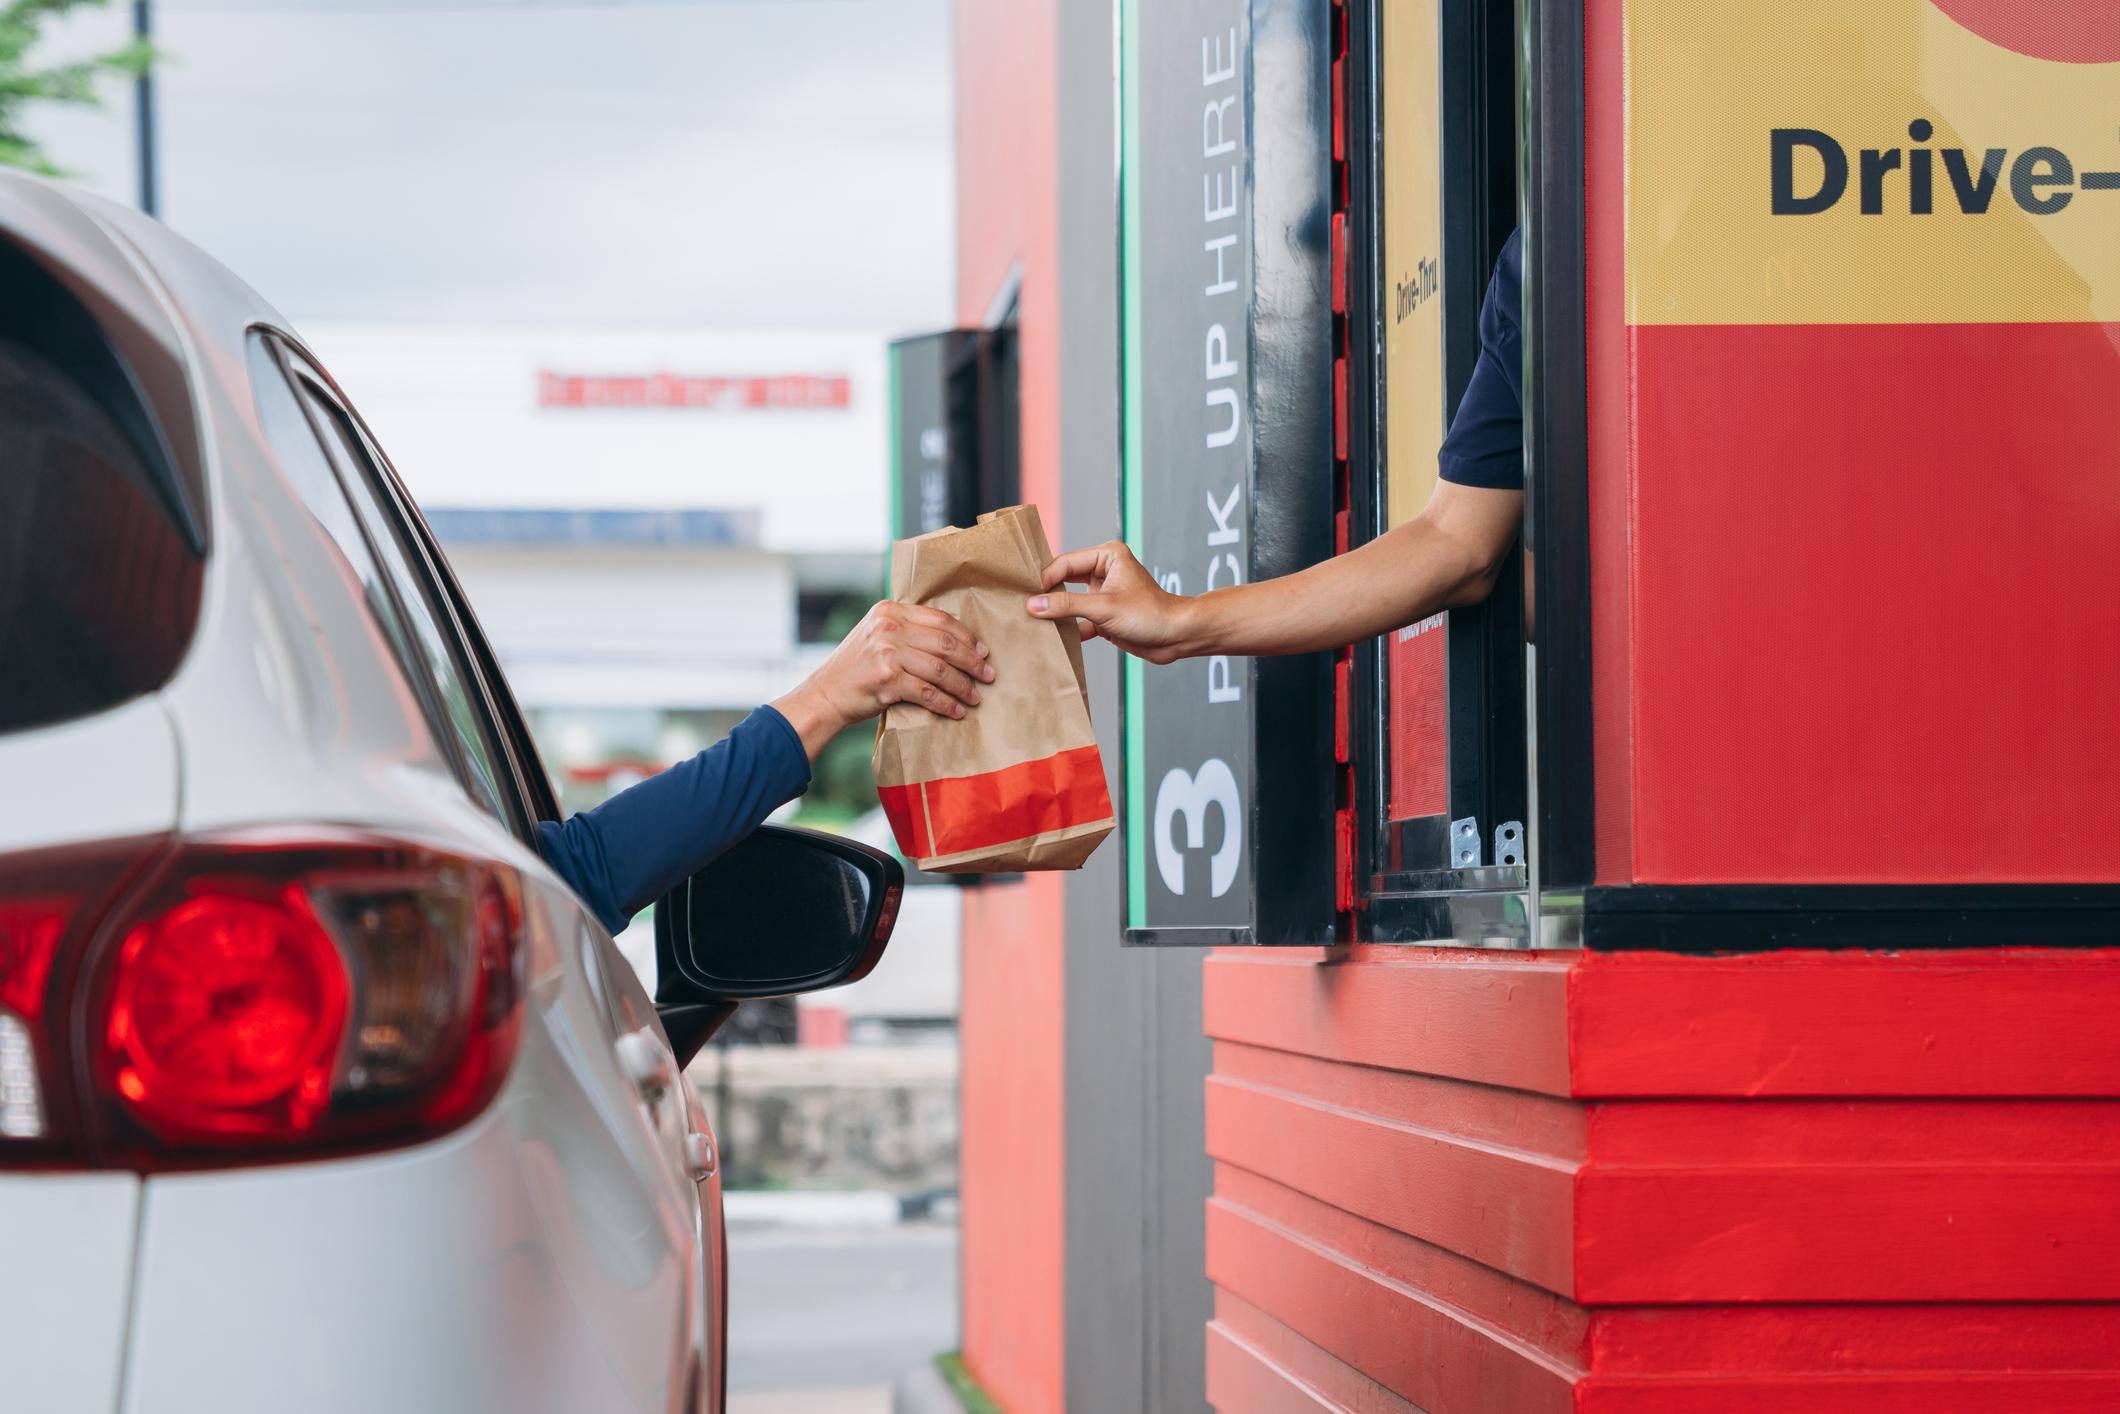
[23, 82]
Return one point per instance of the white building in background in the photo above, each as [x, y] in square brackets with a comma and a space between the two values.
[656, 528]
[640, 516]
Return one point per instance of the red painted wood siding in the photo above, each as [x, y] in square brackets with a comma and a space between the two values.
[1479, 1183]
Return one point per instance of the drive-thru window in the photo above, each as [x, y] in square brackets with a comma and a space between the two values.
[1667, 984]
[1817, 349]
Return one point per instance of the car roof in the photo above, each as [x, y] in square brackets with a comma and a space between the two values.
[125, 254]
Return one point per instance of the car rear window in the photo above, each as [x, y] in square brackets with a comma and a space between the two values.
[99, 573]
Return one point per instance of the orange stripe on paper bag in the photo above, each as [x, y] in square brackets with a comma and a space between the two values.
[955, 814]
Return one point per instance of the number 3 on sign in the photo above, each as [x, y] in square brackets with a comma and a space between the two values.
[1190, 796]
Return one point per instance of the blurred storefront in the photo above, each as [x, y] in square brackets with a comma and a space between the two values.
[1695, 994]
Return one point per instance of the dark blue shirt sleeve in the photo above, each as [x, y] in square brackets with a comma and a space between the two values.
[635, 847]
[1485, 445]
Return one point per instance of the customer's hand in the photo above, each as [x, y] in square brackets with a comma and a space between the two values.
[897, 653]
[1123, 602]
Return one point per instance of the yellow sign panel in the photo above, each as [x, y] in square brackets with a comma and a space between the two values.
[1411, 124]
[1864, 161]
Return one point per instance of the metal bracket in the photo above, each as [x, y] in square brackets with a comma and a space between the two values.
[1509, 842]
[1465, 843]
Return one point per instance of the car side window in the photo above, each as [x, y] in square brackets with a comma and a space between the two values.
[421, 637]
[302, 460]
[480, 753]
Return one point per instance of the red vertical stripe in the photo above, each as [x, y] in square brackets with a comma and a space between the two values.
[1343, 859]
[1342, 707]
[1339, 111]
[1339, 262]
[1339, 407]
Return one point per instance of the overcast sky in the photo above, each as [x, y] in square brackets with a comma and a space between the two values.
[730, 162]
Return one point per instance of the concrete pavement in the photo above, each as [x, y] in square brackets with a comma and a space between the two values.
[822, 1320]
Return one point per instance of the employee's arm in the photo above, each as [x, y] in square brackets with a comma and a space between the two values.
[638, 845]
[1445, 557]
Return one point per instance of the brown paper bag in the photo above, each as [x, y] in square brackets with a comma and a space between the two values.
[1017, 783]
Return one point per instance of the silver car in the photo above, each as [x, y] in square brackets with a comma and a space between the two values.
[319, 1091]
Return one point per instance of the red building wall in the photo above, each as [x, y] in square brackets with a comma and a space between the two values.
[1011, 1157]
[1462, 1181]
[1013, 1059]
[1479, 1182]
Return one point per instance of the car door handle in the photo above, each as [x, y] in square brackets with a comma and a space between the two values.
[699, 1137]
[699, 1154]
[648, 1063]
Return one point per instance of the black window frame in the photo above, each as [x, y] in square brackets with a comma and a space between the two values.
[1563, 904]
[539, 799]
[1410, 890]
[504, 716]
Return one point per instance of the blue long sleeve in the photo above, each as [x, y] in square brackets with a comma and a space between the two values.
[638, 845]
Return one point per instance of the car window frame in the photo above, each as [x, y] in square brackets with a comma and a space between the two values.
[398, 633]
[539, 797]
[307, 377]
[504, 717]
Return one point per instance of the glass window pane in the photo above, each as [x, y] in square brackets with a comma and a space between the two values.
[98, 590]
[1416, 656]
[302, 461]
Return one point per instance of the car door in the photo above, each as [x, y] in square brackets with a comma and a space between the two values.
[680, 1119]
[608, 1142]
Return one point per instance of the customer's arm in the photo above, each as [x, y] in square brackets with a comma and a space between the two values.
[1445, 557]
[629, 851]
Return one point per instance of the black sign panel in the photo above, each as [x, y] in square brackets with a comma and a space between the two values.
[924, 494]
[954, 438]
[1227, 367]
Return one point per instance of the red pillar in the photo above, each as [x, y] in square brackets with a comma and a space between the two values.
[1011, 1031]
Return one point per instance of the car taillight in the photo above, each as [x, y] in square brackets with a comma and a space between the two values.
[226, 1017]
[50, 902]
[263, 997]
[29, 934]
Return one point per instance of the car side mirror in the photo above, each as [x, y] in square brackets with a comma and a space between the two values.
[783, 911]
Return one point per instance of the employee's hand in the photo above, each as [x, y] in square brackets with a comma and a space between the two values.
[897, 653]
[1122, 603]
